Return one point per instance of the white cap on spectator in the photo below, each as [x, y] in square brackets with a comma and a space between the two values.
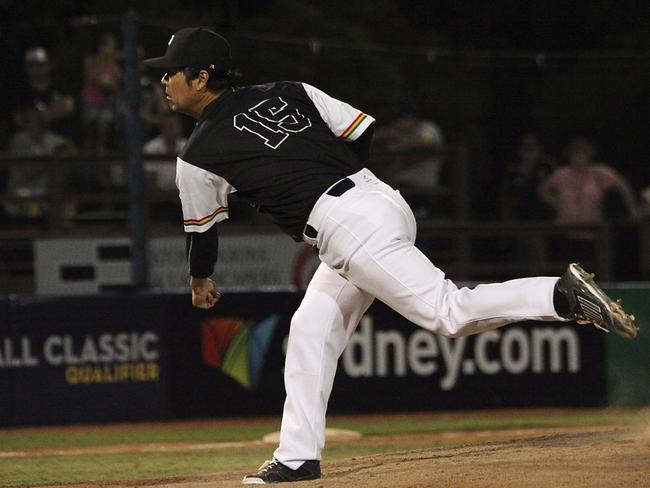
[36, 55]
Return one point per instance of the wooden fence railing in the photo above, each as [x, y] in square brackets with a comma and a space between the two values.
[464, 249]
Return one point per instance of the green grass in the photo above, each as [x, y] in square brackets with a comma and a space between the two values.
[108, 467]
[153, 465]
[581, 418]
[50, 468]
[60, 438]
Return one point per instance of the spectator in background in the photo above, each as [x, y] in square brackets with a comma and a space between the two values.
[153, 105]
[519, 197]
[580, 191]
[56, 105]
[102, 81]
[34, 140]
[168, 143]
[414, 147]
[152, 102]
[161, 174]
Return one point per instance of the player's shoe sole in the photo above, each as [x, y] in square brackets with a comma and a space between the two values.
[590, 305]
[276, 472]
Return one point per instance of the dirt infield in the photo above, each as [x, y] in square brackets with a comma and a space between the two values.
[568, 457]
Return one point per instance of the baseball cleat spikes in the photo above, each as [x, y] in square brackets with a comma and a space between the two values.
[590, 305]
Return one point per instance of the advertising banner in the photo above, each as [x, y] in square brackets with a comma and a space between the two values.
[229, 361]
[628, 368]
[117, 357]
[88, 358]
[7, 381]
[390, 364]
[232, 363]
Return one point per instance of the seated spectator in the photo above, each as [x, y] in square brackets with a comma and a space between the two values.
[102, 81]
[161, 175]
[168, 143]
[519, 197]
[414, 147]
[35, 140]
[152, 102]
[56, 105]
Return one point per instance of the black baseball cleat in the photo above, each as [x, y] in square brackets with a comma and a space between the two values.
[276, 472]
[588, 303]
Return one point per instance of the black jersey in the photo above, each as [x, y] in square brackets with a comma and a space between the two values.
[279, 146]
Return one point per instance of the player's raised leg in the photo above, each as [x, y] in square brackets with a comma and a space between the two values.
[379, 256]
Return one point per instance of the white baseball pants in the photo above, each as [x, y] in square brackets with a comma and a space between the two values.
[366, 244]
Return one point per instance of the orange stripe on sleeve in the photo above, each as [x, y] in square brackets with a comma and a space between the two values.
[352, 127]
[207, 218]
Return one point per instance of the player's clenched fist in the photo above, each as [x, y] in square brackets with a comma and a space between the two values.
[204, 292]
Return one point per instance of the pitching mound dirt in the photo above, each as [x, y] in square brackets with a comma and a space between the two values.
[560, 458]
[331, 435]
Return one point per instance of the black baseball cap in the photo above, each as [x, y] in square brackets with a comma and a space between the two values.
[194, 47]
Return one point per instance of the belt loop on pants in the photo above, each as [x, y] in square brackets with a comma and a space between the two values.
[310, 232]
[309, 236]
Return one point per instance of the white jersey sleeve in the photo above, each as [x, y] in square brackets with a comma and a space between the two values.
[204, 196]
[344, 120]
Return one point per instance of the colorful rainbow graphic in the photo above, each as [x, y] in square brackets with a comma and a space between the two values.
[237, 347]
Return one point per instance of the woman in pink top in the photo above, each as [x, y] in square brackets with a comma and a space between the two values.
[578, 191]
[102, 82]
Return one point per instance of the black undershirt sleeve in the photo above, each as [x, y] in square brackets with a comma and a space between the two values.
[361, 146]
[202, 249]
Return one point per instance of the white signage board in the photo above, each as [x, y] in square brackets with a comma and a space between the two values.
[246, 261]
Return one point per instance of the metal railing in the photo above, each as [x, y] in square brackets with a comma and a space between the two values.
[517, 248]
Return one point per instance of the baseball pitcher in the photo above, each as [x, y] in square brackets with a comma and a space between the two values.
[297, 154]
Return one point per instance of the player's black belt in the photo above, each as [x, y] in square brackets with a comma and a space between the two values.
[338, 189]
